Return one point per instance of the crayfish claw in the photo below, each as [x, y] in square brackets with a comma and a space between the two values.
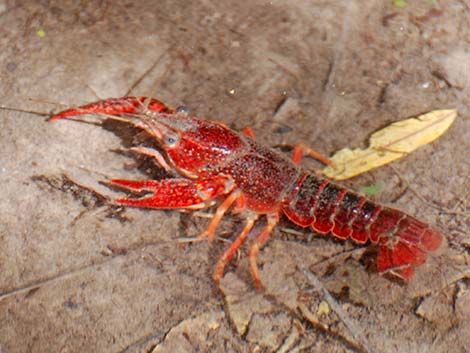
[116, 106]
[136, 185]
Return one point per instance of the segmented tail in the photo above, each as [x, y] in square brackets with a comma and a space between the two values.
[404, 242]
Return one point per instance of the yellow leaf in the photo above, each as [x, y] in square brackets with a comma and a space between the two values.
[393, 142]
[41, 33]
[323, 308]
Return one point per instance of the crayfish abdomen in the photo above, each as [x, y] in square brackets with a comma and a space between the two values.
[404, 242]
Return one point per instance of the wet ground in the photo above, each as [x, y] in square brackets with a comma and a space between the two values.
[79, 276]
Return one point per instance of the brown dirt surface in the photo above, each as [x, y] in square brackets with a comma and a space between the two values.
[80, 276]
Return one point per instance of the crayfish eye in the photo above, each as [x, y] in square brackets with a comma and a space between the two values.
[183, 110]
[170, 140]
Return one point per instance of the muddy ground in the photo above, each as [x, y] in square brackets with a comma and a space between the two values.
[79, 276]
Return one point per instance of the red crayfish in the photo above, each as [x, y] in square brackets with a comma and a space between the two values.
[218, 163]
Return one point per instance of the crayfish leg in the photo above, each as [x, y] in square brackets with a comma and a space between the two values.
[300, 150]
[154, 154]
[273, 219]
[228, 254]
[248, 131]
[219, 213]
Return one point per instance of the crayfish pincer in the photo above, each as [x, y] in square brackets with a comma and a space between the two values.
[216, 163]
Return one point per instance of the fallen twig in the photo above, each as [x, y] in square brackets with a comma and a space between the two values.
[355, 331]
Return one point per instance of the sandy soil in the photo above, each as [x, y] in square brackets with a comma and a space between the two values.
[77, 276]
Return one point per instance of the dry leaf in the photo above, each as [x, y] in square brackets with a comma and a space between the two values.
[393, 142]
[323, 308]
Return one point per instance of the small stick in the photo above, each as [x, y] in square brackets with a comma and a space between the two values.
[425, 201]
[355, 331]
[199, 214]
[40, 100]
[35, 112]
[144, 74]
[184, 240]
